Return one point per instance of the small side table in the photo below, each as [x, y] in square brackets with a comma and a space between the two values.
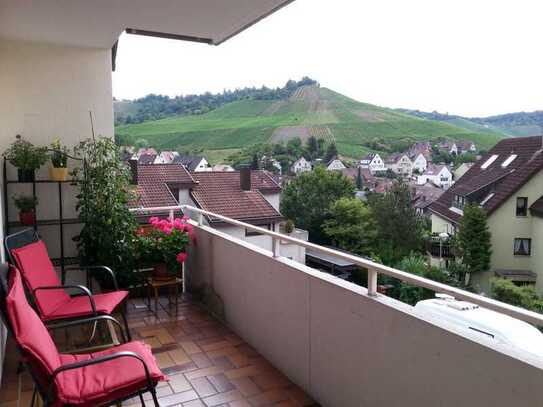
[154, 286]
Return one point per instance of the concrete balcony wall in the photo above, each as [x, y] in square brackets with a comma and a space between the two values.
[350, 350]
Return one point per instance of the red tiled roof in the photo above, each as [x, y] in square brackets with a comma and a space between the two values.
[153, 181]
[220, 192]
[504, 181]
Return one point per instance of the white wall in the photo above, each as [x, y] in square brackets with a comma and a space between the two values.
[47, 92]
[350, 350]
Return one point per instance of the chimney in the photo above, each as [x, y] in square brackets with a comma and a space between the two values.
[133, 163]
[245, 178]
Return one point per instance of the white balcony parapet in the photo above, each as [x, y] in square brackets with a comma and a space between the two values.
[374, 269]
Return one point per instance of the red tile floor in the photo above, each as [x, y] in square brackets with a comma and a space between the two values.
[208, 365]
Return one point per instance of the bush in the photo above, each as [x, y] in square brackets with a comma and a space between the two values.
[520, 296]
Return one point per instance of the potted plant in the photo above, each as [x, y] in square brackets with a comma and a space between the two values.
[59, 160]
[27, 209]
[164, 245]
[26, 157]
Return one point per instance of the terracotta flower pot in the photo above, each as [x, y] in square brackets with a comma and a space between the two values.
[27, 218]
[160, 272]
[58, 174]
[25, 175]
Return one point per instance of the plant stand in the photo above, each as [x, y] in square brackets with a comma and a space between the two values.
[153, 289]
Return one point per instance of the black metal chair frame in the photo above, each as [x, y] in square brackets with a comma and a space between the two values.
[47, 392]
[28, 236]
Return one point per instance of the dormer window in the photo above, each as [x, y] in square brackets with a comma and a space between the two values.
[488, 162]
[509, 160]
[459, 202]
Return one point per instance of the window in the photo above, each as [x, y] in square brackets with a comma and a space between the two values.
[522, 247]
[487, 163]
[522, 206]
[253, 233]
[509, 160]
[459, 201]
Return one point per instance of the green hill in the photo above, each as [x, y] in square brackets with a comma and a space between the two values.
[310, 110]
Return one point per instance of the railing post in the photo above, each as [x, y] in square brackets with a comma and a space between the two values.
[171, 215]
[275, 244]
[372, 283]
[200, 218]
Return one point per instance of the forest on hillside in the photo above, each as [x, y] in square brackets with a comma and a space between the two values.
[155, 107]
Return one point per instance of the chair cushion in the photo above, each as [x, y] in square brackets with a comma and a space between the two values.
[95, 384]
[29, 331]
[38, 271]
[80, 305]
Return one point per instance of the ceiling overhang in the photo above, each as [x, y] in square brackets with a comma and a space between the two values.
[98, 23]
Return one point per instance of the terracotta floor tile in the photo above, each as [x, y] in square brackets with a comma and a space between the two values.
[203, 387]
[201, 360]
[208, 371]
[216, 345]
[246, 386]
[221, 383]
[164, 360]
[178, 398]
[222, 398]
[267, 398]
[239, 403]
[190, 347]
[179, 356]
[179, 383]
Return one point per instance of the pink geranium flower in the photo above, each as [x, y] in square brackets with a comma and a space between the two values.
[181, 257]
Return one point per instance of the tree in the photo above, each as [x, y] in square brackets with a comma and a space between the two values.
[400, 230]
[294, 146]
[313, 147]
[308, 197]
[255, 165]
[331, 152]
[473, 240]
[351, 226]
[359, 180]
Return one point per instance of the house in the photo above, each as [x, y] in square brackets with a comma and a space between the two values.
[508, 184]
[166, 157]
[438, 174]
[373, 162]
[400, 163]
[424, 195]
[300, 165]
[461, 170]
[193, 163]
[271, 164]
[335, 164]
[420, 162]
[449, 146]
[248, 196]
[420, 154]
[466, 146]
[369, 181]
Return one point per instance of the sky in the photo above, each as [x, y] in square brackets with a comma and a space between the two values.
[466, 57]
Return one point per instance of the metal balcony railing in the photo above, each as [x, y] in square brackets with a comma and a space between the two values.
[374, 269]
[440, 249]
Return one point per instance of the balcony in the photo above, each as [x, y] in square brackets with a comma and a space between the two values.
[444, 250]
[285, 334]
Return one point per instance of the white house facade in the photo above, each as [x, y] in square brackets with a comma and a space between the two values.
[420, 163]
[373, 162]
[335, 165]
[300, 165]
[400, 164]
[438, 174]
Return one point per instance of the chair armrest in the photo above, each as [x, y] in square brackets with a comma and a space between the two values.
[106, 269]
[85, 291]
[88, 321]
[100, 359]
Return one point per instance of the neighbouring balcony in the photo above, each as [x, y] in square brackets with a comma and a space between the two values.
[440, 249]
[284, 334]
